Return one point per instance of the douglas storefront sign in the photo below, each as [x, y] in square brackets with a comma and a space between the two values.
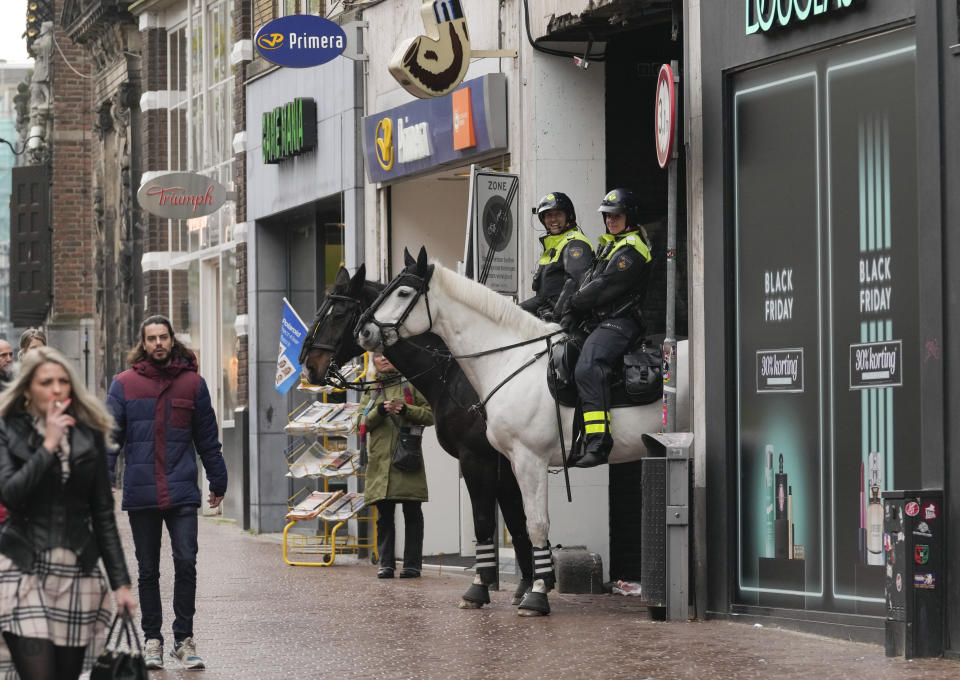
[301, 40]
[769, 15]
[427, 134]
[289, 130]
[181, 195]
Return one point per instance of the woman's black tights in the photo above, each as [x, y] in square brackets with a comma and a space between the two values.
[39, 659]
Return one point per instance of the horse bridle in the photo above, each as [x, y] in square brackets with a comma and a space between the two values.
[309, 344]
[420, 285]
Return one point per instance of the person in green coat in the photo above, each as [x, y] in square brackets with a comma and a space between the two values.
[384, 411]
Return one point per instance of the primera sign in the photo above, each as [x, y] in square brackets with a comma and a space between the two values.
[763, 16]
[301, 41]
[181, 195]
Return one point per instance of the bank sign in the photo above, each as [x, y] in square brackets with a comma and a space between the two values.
[300, 41]
[289, 130]
[769, 15]
[427, 134]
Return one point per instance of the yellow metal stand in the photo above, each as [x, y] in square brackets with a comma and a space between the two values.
[328, 544]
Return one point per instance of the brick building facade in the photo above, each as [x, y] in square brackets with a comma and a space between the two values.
[106, 175]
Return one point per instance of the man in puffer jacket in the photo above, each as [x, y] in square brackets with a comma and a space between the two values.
[164, 419]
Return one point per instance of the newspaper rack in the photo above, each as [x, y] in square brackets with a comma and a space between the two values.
[324, 454]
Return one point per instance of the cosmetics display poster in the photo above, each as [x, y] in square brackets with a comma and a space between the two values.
[824, 164]
[872, 155]
[779, 326]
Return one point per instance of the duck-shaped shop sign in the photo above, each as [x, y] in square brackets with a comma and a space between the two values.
[435, 63]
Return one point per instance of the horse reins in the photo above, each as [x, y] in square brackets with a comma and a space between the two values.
[421, 286]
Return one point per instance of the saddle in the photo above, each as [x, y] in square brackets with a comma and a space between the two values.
[638, 380]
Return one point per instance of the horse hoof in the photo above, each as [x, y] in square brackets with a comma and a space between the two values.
[534, 604]
[522, 589]
[477, 595]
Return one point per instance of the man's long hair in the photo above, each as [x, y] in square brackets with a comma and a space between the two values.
[138, 353]
[85, 407]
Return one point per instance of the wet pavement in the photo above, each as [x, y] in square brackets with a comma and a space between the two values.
[258, 618]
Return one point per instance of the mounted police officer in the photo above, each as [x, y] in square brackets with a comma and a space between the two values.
[567, 255]
[609, 301]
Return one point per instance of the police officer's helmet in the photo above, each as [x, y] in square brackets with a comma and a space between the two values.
[622, 201]
[557, 201]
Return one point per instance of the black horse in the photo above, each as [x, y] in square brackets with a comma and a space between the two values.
[461, 433]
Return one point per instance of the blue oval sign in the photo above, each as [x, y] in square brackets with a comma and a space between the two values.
[301, 40]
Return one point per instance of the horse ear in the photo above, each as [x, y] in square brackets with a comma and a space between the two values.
[408, 258]
[343, 277]
[422, 261]
[360, 278]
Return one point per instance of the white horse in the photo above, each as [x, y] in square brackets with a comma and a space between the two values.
[521, 417]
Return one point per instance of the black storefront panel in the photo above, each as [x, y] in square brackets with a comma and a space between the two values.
[779, 320]
[824, 182]
[871, 142]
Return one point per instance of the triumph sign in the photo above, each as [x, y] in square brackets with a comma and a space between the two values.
[181, 195]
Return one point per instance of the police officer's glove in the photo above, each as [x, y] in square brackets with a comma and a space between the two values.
[568, 322]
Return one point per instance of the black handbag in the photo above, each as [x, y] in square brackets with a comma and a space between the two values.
[407, 455]
[114, 664]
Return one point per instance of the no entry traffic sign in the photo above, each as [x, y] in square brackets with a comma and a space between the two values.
[664, 115]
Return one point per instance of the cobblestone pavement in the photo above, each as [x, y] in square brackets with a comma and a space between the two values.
[261, 619]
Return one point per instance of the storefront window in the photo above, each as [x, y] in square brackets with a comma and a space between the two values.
[334, 253]
[828, 348]
[228, 345]
[200, 126]
[302, 7]
[186, 297]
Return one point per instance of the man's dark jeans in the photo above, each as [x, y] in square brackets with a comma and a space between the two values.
[147, 527]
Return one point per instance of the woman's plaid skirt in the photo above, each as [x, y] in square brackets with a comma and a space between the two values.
[56, 602]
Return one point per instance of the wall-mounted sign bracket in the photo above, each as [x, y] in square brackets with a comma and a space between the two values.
[354, 49]
[484, 54]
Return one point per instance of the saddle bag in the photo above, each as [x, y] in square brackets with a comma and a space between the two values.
[643, 374]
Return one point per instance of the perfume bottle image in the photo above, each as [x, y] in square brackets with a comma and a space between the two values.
[781, 522]
[875, 528]
[790, 522]
[769, 500]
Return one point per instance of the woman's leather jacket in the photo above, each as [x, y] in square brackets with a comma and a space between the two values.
[46, 513]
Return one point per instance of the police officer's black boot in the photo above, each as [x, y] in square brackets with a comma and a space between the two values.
[596, 449]
[597, 440]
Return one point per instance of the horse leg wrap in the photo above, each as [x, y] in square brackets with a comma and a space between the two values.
[477, 592]
[486, 563]
[534, 603]
[543, 567]
[522, 589]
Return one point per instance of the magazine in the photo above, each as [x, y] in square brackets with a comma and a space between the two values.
[343, 508]
[340, 420]
[312, 505]
[308, 462]
[307, 418]
[339, 463]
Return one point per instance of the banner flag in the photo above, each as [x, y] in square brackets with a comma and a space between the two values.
[292, 334]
